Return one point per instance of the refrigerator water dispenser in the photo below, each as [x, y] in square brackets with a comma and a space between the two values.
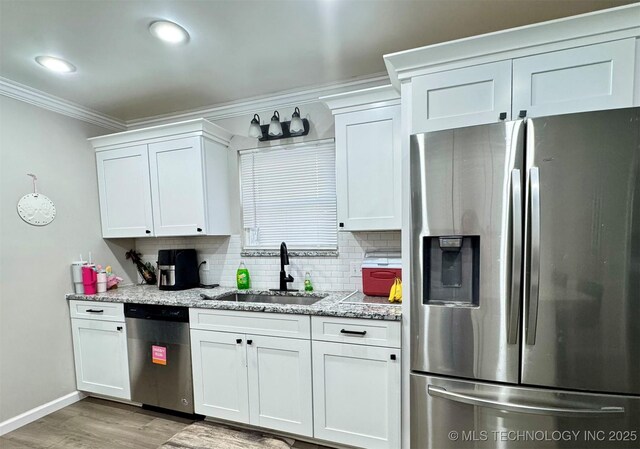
[451, 265]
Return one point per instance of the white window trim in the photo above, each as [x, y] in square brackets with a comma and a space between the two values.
[252, 251]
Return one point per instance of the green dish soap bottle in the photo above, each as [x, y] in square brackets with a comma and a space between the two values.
[242, 277]
[308, 287]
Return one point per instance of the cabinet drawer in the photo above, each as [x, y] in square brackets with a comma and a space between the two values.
[96, 310]
[259, 323]
[351, 330]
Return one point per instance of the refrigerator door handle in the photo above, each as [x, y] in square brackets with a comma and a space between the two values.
[443, 393]
[534, 289]
[516, 256]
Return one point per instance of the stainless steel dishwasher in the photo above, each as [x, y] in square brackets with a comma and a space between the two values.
[159, 356]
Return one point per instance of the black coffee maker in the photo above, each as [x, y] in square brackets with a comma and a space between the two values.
[177, 269]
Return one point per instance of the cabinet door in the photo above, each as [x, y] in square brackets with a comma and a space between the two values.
[177, 187]
[280, 395]
[219, 366]
[356, 394]
[575, 80]
[463, 97]
[368, 169]
[100, 356]
[124, 192]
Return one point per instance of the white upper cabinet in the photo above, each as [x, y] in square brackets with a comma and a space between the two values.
[177, 187]
[463, 97]
[575, 64]
[124, 192]
[368, 159]
[168, 180]
[579, 79]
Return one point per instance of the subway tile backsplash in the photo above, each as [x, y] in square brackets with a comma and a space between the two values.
[327, 273]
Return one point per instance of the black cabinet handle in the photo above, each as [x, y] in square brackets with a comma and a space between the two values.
[95, 311]
[341, 225]
[522, 113]
[147, 232]
[238, 340]
[503, 116]
[119, 328]
[393, 357]
[362, 333]
[199, 229]
[249, 342]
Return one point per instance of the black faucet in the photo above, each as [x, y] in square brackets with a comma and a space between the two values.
[284, 277]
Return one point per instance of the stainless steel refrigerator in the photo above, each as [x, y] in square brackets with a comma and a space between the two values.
[525, 284]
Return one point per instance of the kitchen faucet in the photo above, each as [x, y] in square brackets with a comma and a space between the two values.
[284, 277]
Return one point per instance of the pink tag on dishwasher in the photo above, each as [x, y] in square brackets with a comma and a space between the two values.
[159, 355]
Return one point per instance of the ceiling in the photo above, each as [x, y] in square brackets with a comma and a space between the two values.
[238, 48]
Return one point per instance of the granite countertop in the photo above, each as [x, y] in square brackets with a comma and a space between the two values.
[356, 304]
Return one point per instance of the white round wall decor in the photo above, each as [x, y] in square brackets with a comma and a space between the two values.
[36, 208]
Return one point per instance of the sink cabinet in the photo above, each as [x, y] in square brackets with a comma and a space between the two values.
[169, 180]
[253, 377]
[100, 348]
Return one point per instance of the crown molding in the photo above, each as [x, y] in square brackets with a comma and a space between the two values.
[189, 128]
[252, 105]
[358, 100]
[13, 89]
[221, 111]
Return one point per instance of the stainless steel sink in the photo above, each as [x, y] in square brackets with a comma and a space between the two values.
[268, 299]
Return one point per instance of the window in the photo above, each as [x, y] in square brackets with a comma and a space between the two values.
[289, 195]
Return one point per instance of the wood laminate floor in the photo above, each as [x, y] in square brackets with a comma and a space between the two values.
[98, 424]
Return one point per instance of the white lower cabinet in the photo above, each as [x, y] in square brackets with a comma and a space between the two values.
[280, 393]
[259, 380]
[100, 356]
[356, 393]
[219, 362]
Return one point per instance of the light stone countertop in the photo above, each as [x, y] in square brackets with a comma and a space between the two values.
[354, 307]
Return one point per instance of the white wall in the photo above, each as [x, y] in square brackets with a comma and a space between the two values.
[36, 356]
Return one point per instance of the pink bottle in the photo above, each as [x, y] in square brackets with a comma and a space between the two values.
[89, 280]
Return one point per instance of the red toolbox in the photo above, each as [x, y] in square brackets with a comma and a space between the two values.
[379, 270]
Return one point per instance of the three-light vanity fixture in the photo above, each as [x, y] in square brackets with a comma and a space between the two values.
[279, 130]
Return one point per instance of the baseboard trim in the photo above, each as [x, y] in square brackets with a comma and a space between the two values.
[36, 413]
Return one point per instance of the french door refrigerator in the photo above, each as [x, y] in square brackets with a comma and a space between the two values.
[525, 284]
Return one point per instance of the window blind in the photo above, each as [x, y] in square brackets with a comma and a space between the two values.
[289, 195]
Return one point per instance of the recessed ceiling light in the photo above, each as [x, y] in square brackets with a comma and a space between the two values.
[55, 64]
[169, 32]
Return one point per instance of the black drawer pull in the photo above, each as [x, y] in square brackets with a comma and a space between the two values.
[147, 232]
[238, 340]
[341, 225]
[503, 116]
[393, 357]
[119, 328]
[362, 333]
[522, 113]
[199, 229]
[95, 311]
[249, 342]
